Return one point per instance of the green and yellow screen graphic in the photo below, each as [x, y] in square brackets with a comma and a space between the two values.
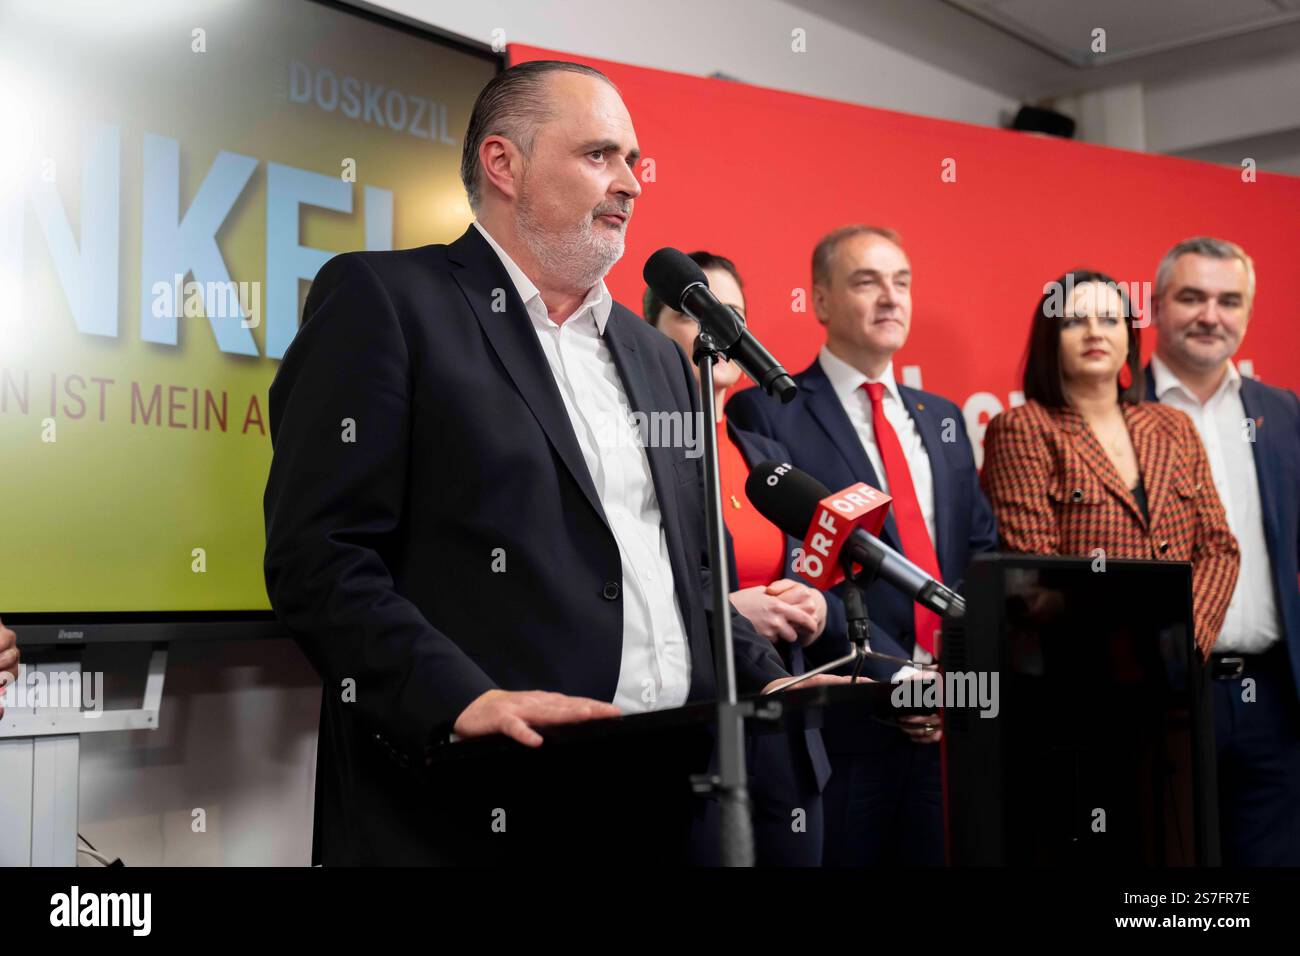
[171, 178]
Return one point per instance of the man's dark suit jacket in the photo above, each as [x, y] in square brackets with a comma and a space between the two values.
[756, 449]
[420, 439]
[821, 441]
[1276, 412]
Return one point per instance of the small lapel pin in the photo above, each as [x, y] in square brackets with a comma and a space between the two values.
[920, 406]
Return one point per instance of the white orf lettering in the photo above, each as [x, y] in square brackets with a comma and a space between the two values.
[821, 544]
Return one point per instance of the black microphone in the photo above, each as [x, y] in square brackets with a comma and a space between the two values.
[788, 498]
[676, 279]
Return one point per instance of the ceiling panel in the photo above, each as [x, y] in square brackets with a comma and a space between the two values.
[946, 34]
[1064, 27]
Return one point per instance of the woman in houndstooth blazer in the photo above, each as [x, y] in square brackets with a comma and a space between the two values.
[1083, 465]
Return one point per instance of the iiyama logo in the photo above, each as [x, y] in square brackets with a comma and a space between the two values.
[71, 635]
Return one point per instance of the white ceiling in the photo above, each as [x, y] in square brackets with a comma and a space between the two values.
[1039, 49]
[1065, 28]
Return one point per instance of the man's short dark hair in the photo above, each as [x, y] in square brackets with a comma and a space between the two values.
[514, 104]
[824, 253]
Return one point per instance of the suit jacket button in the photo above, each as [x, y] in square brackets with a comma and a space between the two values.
[611, 591]
[1076, 494]
[1164, 546]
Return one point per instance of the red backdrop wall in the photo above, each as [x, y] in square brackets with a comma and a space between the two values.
[759, 175]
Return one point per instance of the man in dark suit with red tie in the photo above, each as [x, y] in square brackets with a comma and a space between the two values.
[851, 421]
[459, 535]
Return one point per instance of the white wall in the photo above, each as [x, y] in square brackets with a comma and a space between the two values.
[1227, 105]
[236, 739]
[749, 40]
[1221, 116]
[1226, 116]
[1274, 152]
[1113, 116]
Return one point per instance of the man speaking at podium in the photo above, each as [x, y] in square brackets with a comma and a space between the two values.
[460, 535]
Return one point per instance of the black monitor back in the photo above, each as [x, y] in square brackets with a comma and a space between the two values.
[1101, 751]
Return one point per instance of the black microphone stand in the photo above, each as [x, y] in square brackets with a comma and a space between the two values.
[859, 578]
[731, 781]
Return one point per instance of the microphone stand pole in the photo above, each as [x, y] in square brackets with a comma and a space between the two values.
[731, 781]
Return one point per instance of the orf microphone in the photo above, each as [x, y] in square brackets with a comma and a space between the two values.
[676, 279]
[834, 526]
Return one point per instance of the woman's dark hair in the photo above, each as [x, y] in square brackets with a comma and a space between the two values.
[1042, 376]
[652, 305]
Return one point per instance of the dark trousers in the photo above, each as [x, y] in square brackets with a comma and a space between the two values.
[785, 805]
[1258, 745]
[885, 807]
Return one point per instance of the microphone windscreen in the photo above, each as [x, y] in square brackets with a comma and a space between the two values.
[669, 272]
[784, 495]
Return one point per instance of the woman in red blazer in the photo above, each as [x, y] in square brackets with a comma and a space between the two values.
[1084, 466]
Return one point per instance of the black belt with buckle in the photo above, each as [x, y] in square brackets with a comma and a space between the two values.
[1227, 666]
[1233, 666]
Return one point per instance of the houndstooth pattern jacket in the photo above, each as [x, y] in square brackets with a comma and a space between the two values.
[1054, 490]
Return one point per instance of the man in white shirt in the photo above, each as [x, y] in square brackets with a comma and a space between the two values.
[1204, 291]
[493, 554]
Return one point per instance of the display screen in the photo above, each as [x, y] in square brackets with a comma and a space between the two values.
[172, 177]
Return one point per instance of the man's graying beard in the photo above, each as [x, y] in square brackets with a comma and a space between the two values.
[581, 255]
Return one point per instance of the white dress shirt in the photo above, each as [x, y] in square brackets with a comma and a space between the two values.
[1250, 626]
[655, 672]
[847, 382]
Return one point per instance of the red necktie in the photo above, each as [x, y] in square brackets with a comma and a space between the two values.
[917, 546]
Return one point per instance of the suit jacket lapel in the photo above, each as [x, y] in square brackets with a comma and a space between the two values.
[642, 398]
[1089, 448]
[825, 407]
[1262, 450]
[1155, 464]
[646, 393]
[1155, 477]
[1265, 467]
[515, 342]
